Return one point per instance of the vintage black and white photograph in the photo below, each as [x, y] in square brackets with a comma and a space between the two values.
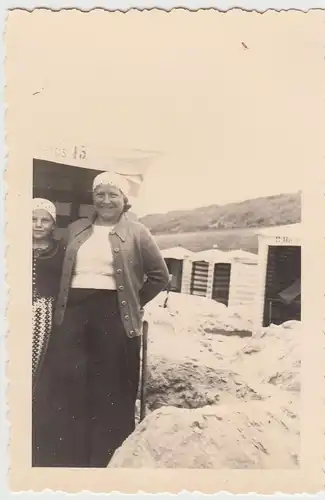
[174, 327]
[165, 237]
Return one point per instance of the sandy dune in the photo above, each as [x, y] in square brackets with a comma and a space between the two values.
[216, 400]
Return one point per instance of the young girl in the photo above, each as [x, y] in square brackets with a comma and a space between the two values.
[48, 256]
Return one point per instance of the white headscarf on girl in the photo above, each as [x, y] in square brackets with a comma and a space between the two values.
[43, 204]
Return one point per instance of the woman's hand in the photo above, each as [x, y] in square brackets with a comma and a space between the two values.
[155, 268]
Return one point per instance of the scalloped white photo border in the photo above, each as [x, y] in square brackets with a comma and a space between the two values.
[311, 199]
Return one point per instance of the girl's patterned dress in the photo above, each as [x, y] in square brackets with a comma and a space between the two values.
[47, 266]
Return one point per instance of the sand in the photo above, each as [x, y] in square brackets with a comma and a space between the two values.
[254, 436]
[215, 399]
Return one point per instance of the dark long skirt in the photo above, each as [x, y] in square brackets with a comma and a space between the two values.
[84, 401]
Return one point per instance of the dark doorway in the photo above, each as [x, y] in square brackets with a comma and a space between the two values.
[282, 300]
[175, 267]
[221, 282]
[69, 187]
[199, 278]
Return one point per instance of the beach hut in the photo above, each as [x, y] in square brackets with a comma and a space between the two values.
[227, 277]
[177, 261]
[279, 286]
[211, 275]
[64, 175]
[243, 278]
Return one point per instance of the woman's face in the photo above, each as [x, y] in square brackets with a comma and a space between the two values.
[108, 202]
[43, 224]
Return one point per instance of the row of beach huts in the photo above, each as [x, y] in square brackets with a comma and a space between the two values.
[268, 282]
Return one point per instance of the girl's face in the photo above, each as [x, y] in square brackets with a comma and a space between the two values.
[43, 224]
[108, 202]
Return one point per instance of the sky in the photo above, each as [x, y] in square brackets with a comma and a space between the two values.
[230, 121]
[168, 188]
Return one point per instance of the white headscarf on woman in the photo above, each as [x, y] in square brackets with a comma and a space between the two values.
[43, 204]
[112, 179]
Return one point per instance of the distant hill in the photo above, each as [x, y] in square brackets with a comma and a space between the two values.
[259, 212]
[223, 239]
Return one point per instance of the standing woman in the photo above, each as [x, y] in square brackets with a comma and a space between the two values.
[112, 269]
[48, 255]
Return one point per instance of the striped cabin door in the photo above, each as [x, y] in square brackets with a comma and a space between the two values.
[199, 278]
[221, 282]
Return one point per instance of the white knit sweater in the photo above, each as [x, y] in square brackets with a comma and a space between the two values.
[94, 263]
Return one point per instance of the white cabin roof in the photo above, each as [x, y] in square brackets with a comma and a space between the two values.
[293, 230]
[212, 255]
[243, 255]
[178, 253]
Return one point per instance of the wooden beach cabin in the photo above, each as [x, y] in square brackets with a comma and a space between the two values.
[227, 277]
[65, 175]
[243, 278]
[279, 287]
[211, 275]
[177, 260]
